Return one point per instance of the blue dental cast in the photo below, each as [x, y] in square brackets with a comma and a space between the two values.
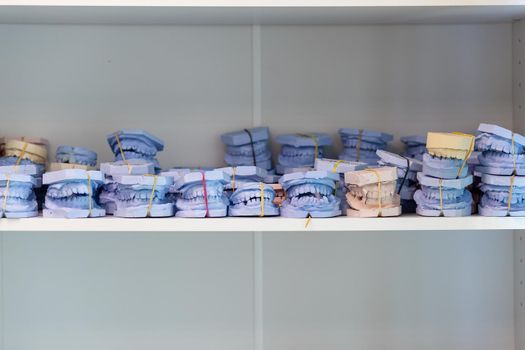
[201, 194]
[140, 196]
[407, 169]
[299, 150]
[241, 175]
[76, 155]
[310, 194]
[18, 198]
[253, 199]
[415, 146]
[444, 168]
[248, 147]
[73, 193]
[361, 145]
[443, 197]
[502, 151]
[498, 191]
[135, 144]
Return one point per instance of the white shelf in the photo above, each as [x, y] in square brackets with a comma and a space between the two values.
[279, 224]
[160, 12]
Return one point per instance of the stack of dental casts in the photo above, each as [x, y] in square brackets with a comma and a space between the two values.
[372, 193]
[300, 151]
[407, 184]
[502, 166]
[361, 145]
[18, 197]
[25, 157]
[248, 147]
[415, 146]
[72, 157]
[201, 194]
[129, 144]
[310, 194]
[445, 176]
[73, 193]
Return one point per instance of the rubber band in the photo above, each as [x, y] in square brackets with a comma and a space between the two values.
[122, 153]
[314, 139]
[205, 194]
[90, 199]
[511, 188]
[336, 164]
[308, 220]
[358, 146]
[252, 145]
[440, 197]
[404, 176]
[150, 204]
[6, 191]
[234, 171]
[22, 153]
[262, 198]
[469, 152]
[379, 200]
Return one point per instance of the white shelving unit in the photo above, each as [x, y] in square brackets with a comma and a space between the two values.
[74, 71]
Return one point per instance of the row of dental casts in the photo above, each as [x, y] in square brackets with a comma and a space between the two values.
[458, 174]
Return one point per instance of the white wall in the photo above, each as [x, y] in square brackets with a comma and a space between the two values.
[414, 290]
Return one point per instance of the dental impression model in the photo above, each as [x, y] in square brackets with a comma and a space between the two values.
[447, 155]
[407, 184]
[502, 151]
[129, 144]
[361, 145]
[18, 198]
[502, 195]
[201, 194]
[300, 150]
[372, 193]
[443, 197]
[310, 194]
[248, 147]
[242, 175]
[415, 146]
[73, 193]
[70, 157]
[253, 199]
[140, 196]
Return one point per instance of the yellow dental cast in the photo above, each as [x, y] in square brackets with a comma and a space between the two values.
[65, 166]
[26, 150]
[450, 145]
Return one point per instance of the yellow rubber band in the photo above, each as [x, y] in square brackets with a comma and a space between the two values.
[511, 188]
[440, 197]
[89, 193]
[234, 170]
[6, 191]
[22, 153]
[308, 221]
[358, 146]
[379, 201]
[314, 139]
[469, 152]
[262, 198]
[152, 193]
[336, 164]
[122, 153]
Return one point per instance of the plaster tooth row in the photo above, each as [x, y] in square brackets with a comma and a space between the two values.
[73, 193]
[501, 164]
[372, 192]
[18, 200]
[415, 146]
[299, 151]
[361, 145]
[248, 147]
[135, 144]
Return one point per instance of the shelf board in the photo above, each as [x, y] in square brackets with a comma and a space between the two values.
[408, 222]
[245, 12]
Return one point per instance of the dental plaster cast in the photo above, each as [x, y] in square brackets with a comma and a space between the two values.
[300, 150]
[18, 198]
[447, 155]
[443, 197]
[248, 147]
[310, 194]
[24, 150]
[140, 196]
[415, 146]
[502, 151]
[253, 199]
[135, 144]
[407, 184]
[240, 175]
[201, 194]
[372, 192]
[73, 193]
[361, 145]
[108, 194]
[498, 192]
[76, 155]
